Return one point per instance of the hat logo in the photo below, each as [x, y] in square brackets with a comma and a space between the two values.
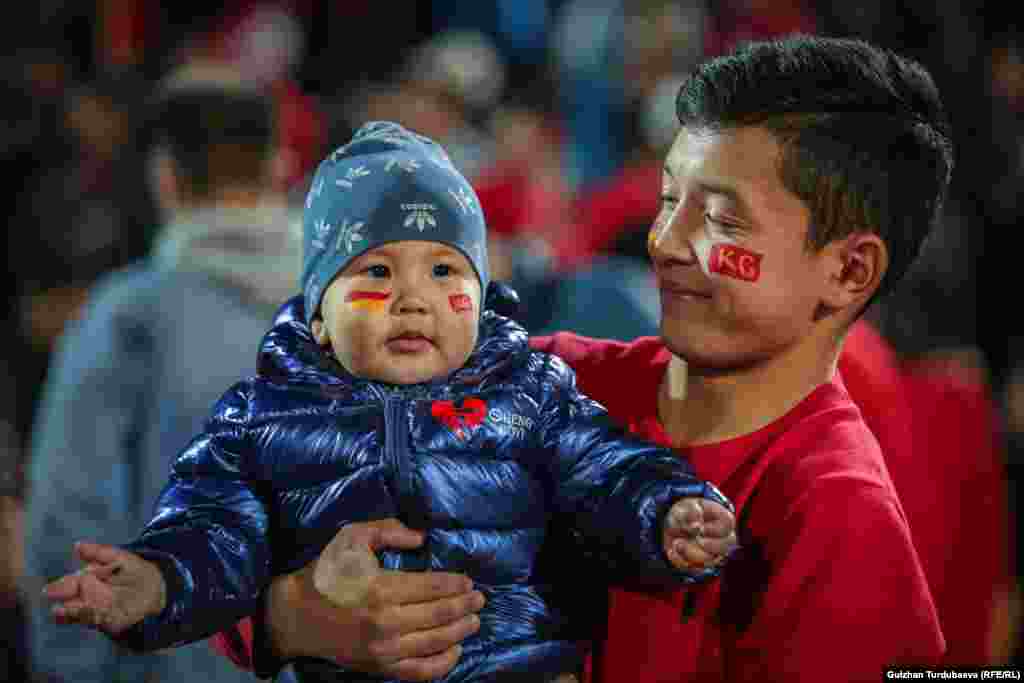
[464, 199]
[320, 230]
[349, 235]
[351, 175]
[420, 215]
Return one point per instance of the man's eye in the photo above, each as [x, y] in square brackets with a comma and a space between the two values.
[442, 270]
[669, 199]
[725, 227]
[378, 270]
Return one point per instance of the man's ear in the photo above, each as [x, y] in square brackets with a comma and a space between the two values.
[319, 331]
[855, 266]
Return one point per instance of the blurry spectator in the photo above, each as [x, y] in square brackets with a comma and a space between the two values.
[662, 41]
[266, 42]
[939, 429]
[532, 241]
[735, 21]
[135, 378]
[83, 211]
[14, 659]
[587, 45]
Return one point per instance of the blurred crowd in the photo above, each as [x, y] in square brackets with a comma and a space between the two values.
[559, 111]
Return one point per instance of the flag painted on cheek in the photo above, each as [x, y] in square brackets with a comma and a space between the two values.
[460, 303]
[373, 302]
[735, 262]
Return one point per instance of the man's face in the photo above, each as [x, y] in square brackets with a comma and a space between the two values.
[738, 284]
[402, 313]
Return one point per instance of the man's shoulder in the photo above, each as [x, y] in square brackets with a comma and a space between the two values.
[610, 372]
[582, 352]
[826, 453]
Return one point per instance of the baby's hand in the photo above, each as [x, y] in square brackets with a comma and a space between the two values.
[698, 534]
[114, 591]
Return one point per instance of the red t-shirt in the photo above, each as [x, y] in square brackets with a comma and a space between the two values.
[829, 585]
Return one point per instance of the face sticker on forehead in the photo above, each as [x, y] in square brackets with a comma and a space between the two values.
[372, 302]
[460, 303]
[735, 262]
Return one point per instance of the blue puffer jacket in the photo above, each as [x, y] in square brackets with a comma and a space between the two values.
[486, 461]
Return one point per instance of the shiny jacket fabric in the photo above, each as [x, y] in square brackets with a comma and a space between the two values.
[487, 461]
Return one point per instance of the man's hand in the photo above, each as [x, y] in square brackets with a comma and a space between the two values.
[398, 624]
[114, 591]
[698, 534]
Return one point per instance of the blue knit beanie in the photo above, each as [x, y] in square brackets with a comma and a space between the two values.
[386, 185]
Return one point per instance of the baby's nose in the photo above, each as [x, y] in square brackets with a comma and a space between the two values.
[412, 305]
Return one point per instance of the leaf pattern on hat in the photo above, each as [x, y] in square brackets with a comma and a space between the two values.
[351, 175]
[407, 165]
[314, 192]
[313, 292]
[321, 229]
[464, 199]
[350, 234]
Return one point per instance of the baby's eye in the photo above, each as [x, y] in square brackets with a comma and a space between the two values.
[378, 270]
[442, 270]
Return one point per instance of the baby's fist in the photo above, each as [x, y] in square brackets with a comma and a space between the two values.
[698, 534]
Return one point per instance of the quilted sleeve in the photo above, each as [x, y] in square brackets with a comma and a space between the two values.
[613, 489]
[208, 535]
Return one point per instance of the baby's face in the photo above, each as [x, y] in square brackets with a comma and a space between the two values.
[403, 313]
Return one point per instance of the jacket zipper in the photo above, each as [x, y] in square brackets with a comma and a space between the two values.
[396, 440]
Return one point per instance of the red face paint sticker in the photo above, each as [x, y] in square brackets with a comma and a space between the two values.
[368, 301]
[456, 418]
[460, 303]
[735, 262]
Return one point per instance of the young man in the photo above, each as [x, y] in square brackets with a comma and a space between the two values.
[805, 177]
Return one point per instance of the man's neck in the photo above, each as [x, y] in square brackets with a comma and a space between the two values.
[698, 408]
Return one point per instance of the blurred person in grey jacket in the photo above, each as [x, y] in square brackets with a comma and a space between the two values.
[134, 378]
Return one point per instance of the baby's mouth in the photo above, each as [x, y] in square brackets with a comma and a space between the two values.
[409, 342]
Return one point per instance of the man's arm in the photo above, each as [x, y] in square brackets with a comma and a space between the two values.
[408, 625]
[831, 589]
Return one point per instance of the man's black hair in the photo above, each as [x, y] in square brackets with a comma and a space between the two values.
[865, 141]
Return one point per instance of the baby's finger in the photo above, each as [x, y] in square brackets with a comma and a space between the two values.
[718, 546]
[64, 588]
[97, 553]
[686, 517]
[719, 528]
[72, 612]
[687, 554]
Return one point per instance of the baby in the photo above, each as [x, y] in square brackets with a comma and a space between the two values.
[387, 390]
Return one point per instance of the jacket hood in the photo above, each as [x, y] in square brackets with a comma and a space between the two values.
[258, 250]
[288, 352]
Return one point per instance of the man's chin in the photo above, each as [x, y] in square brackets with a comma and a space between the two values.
[694, 350]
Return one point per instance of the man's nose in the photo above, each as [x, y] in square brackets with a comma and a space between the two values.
[671, 239]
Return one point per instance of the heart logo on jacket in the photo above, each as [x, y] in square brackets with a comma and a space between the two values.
[456, 418]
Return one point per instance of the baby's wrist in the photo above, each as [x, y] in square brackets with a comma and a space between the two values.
[158, 601]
